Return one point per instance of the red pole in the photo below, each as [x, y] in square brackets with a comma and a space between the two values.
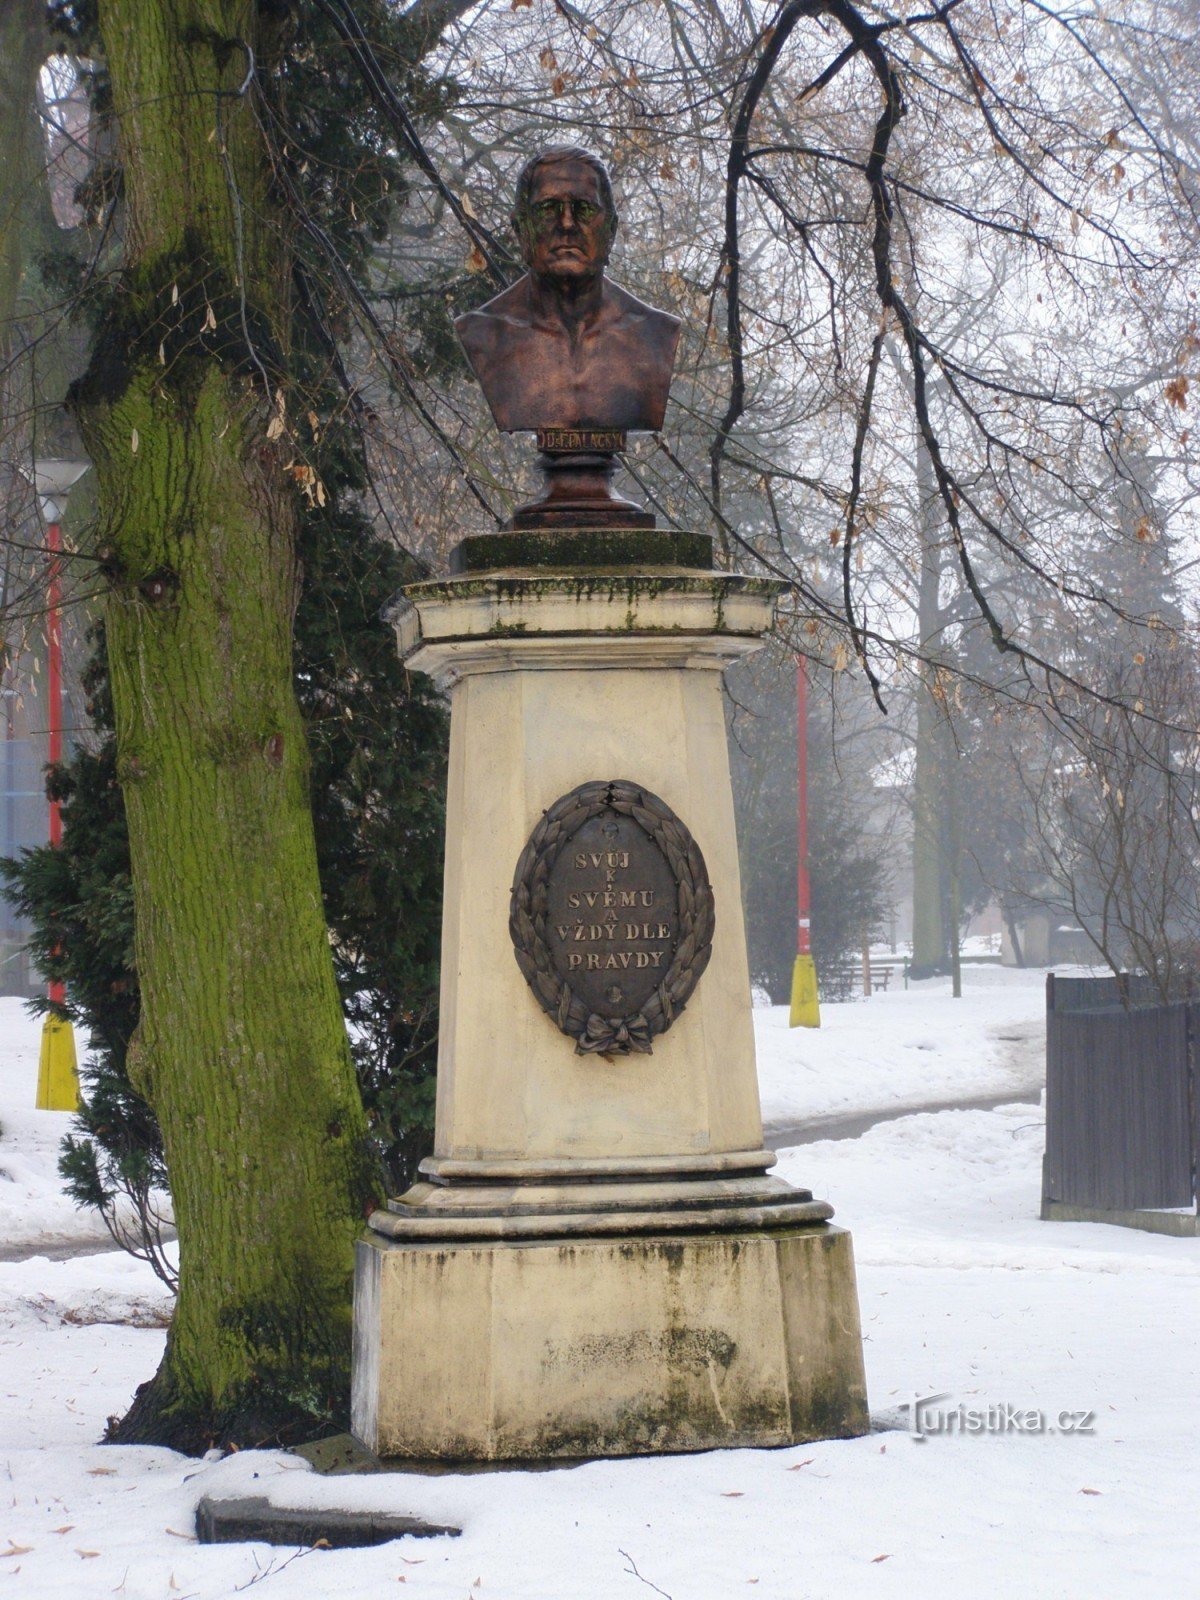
[802, 891]
[57, 991]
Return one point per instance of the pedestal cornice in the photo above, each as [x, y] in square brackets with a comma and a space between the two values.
[498, 623]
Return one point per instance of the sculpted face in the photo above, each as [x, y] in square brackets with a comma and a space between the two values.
[566, 233]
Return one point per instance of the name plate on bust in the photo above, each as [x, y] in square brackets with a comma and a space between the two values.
[611, 916]
[580, 441]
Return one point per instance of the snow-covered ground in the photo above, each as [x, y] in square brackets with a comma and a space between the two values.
[33, 1208]
[905, 1047]
[965, 1295]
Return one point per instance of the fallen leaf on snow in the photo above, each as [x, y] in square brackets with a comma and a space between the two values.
[876, 1559]
[15, 1550]
[800, 1464]
[66, 1528]
[732, 1494]
[1090, 1491]
[102, 1472]
[86, 1555]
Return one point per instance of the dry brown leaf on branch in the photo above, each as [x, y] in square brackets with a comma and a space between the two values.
[1177, 391]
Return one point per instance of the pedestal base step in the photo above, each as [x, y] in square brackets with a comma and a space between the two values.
[606, 1346]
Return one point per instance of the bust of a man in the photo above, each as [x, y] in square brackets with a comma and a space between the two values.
[565, 346]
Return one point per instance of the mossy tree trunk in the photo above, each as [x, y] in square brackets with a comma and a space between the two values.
[240, 1047]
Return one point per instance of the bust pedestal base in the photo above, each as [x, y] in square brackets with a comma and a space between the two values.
[596, 1259]
[595, 1347]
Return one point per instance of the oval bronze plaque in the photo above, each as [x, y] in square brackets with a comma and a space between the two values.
[612, 916]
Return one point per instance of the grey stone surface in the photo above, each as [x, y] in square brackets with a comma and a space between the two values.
[254, 1519]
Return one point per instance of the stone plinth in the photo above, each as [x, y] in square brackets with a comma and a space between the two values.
[588, 1347]
[595, 1259]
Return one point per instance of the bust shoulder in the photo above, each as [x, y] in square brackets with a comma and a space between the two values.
[660, 325]
[510, 308]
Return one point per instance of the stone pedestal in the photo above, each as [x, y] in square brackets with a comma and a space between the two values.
[596, 1260]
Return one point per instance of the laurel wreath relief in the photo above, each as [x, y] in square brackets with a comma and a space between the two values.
[594, 1034]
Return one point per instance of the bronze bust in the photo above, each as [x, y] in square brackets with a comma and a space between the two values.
[565, 347]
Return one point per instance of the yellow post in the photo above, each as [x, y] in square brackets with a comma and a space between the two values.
[805, 1012]
[58, 1074]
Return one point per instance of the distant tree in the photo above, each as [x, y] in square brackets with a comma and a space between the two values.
[848, 871]
[1112, 803]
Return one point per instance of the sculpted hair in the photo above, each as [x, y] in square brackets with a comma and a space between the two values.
[551, 157]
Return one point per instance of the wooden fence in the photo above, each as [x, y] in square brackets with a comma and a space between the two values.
[1121, 1104]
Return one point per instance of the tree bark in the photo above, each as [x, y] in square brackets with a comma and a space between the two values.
[929, 822]
[240, 1048]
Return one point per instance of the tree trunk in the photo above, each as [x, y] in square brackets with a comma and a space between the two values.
[241, 1047]
[929, 822]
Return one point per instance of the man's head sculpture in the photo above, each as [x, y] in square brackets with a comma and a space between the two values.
[565, 347]
[598, 212]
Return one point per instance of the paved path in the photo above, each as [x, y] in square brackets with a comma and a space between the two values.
[62, 1247]
[1025, 1059]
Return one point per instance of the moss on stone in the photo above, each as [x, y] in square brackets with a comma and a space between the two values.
[597, 549]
